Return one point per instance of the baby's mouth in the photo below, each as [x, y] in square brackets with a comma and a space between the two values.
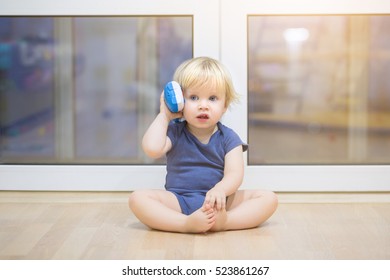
[203, 116]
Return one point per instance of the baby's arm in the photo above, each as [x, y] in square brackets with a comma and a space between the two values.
[231, 181]
[155, 142]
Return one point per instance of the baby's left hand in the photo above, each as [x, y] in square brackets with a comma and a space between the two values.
[216, 198]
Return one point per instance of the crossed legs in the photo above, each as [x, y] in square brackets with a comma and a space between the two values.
[159, 209]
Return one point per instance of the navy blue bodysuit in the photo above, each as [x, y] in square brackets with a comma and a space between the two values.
[193, 168]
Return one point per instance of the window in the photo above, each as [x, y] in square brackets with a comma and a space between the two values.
[89, 160]
[84, 89]
[318, 89]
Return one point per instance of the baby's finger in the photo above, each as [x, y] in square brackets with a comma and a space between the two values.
[223, 203]
[210, 200]
[218, 203]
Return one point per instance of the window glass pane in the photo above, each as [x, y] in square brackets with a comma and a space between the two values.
[26, 89]
[318, 89]
[84, 89]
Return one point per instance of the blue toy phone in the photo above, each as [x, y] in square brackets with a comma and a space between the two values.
[173, 97]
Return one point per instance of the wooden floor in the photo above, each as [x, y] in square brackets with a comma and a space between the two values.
[61, 225]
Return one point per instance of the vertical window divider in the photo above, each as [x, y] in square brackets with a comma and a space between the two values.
[64, 96]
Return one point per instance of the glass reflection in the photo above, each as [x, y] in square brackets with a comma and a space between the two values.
[83, 89]
[318, 89]
[26, 88]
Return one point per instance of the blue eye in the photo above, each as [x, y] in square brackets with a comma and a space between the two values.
[213, 98]
[194, 97]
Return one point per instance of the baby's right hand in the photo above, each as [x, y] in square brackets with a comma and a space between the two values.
[164, 110]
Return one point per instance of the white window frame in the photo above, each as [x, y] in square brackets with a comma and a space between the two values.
[219, 31]
[234, 55]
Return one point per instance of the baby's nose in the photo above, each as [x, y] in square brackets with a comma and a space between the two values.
[203, 104]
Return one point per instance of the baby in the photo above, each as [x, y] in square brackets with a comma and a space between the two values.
[205, 163]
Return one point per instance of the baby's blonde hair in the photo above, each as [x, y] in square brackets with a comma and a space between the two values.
[199, 71]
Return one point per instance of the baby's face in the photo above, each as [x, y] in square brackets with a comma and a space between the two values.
[204, 106]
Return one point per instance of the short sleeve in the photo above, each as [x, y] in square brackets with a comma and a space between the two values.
[232, 140]
[174, 129]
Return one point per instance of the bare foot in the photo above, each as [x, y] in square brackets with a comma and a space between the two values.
[220, 221]
[201, 220]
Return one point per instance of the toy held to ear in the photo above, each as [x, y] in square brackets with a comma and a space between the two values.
[173, 97]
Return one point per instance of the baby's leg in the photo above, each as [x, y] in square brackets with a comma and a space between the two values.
[160, 210]
[246, 209]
